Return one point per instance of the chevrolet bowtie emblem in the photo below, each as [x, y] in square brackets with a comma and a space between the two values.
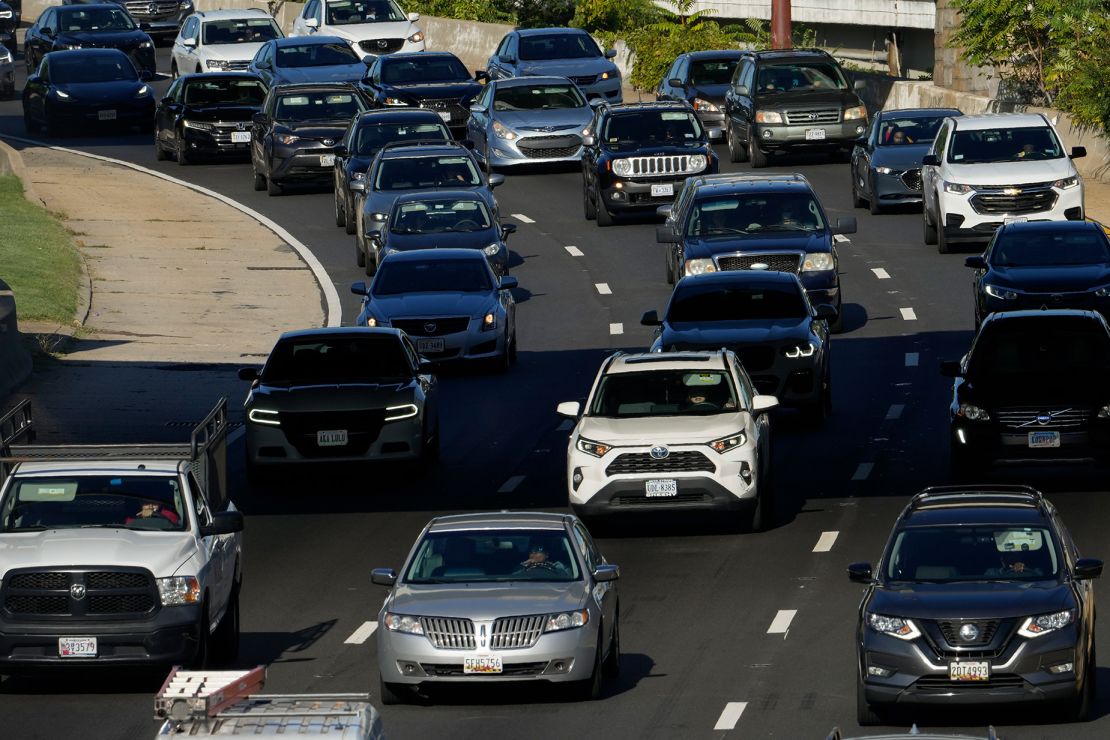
[1011, 191]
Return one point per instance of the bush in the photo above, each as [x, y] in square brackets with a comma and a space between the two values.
[541, 13]
[486, 11]
[614, 16]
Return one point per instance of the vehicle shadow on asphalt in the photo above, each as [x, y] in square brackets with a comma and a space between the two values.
[266, 648]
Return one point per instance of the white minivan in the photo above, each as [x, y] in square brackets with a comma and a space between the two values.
[371, 27]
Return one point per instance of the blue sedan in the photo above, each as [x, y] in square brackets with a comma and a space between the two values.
[314, 59]
[566, 52]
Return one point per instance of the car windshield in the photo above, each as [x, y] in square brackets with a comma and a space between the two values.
[537, 97]
[432, 276]
[316, 55]
[411, 173]
[438, 216]
[1027, 248]
[422, 70]
[98, 68]
[322, 105]
[664, 393]
[370, 358]
[740, 303]
[494, 556]
[240, 31]
[204, 90]
[558, 46]
[808, 76]
[85, 20]
[373, 136]
[1027, 143]
[754, 215]
[948, 554]
[652, 128]
[76, 501]
[348, 12]
[916, 130]
[712, 71]
[1031, 348]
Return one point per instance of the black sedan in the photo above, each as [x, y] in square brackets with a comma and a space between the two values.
[96, 26]
[293, 138]
[767, 319]
[9, 22]
[702, 78]
[886, 161]
[1052, 264]
[366, 135]
[437, 80]
[207, 115]
[86, 88]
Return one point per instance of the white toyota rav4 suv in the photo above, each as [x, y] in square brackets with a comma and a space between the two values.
[983, 171]
[371, 27]
[221, 40]
[671, 431]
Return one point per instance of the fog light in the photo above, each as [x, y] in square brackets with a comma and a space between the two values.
[561, 666]
[746, 472]
[860, 129]
[619, 185]
[961, 436]
[1061, 668]
[616, 195]
[576, 479]
[875, 670]
[767, 133]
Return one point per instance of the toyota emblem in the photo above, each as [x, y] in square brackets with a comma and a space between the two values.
[77, 591]
[430, 327]
[813, 116]
[383, 43]
[329, 142]
[969, 633]
[659, 452]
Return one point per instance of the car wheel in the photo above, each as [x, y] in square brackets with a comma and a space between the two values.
[857, 201]
[943, 245]
[604, 218]
[670, 265]
[930, 231]
[360, 256]
[225, 641]
[736, 152]
[272, 188]
[204, 641]
[174, 74]
[182, 155]
[28, 124]
[756, 158]
[160, 151]
[590, 689]
[589, 208]
[611, 668]
[1078, 709]
[817, 412]
[866, 714]
[873, 204]
[340, 211]
[349, 227]
[392, 693]
[512, 345]
[259, 180]
[371, 265]
[429, 453]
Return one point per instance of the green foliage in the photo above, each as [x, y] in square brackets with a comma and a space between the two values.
[487, 11]
[541, 13]
[614, 16]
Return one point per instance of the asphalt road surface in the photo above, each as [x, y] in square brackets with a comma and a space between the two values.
[741, 634]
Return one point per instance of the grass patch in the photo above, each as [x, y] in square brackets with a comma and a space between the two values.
[37, 258]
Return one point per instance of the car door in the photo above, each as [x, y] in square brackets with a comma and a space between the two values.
[477, 125]
[739, 105]
[761, 423]
[216, 548]
[494, 66]
[372, 84]
[299, 26]
[259, 130]
[264, 64]
[185, 54]
[603, 594]
[165, 117]
[664, 91]
[41, 36]
[930, 174]
[861, 158]
[35, 92]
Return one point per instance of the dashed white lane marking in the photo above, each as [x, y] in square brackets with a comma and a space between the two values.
[522, 218]
[731, 715]
[616, 328]
[362, 634]
[880, 273]
[912, 359]
[863, 470]
[908, 314]
[839, 238]
[895, 411]
[574, 251]
[566, 426]
[511, 484]
[603, 288]
[780, 625]
[826, 541]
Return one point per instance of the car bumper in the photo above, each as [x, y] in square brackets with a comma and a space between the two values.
[963, 223]
[311, 165]
[714, 125]
[534, 149]
[635, 195]
[797, 138]
[397, 440]
[209, 144]
[472, 344]
[89, 115]
[984, 441]
[893, 190]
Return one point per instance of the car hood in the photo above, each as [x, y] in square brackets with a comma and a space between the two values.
[1061, 279]
[773, 242]
[465, 90]
[221, 112]
[162, 552]
[713, 93]
[1011, 173]
[432, 305]
[654, 430]
[565, 67]
[123, 91]
[1029, 389]
[233, 52]
[444, 240]
[904, 157]
[486, 601]
[382, 30]
[314, 129]
[971, 600]
[716, 334]
[557, 119]
[330, 73]
[642, 150]
[342, 397]
[102, 39]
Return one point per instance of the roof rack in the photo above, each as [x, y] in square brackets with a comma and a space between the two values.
[936, 497]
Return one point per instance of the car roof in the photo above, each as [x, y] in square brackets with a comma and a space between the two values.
[422, 149]
[422, 196]
[743, 277]
[914, 112]
[152, 466]
[991, 504]
[378, 115]
[653, 361]
[338, 331]
[715, 54]
[444, 254]
[307, 40]
[530, 80]
[785, 55]
[749, 183]
[1050, 227]
[548, 31]
[224, 14]
[498, 520]
[88, 52]
[414, 56]
[999, 120]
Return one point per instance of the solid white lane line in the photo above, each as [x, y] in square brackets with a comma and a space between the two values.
[780, 625]
[603, 288]
[863, 470]
[826, 541]
[510, 485]
[574, 251]
[566, 426]
[908, 314]
[616, 328]
[522, 218]
[880, 273]
[731, 715]
[895, 411]
[362, 634]
[840, 238]
[912, 359]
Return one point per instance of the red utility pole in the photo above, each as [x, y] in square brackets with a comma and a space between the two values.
[780, 24]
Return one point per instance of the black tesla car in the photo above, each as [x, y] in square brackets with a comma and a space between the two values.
[87, 88]
[207, 115]
[93, 26]
[981, 597]
[436, 80]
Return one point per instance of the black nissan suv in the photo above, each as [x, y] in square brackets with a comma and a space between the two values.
[981, 597]
[637, 156]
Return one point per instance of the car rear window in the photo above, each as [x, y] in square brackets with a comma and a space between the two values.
[411, 173]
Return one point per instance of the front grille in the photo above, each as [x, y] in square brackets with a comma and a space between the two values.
[545, 147]
[678, 499]
[941, 683]
[452, 106]
[1025, 419]
[238, 64]
[678, 164]
[440, 326]
[755, 359]
[141, 8]
[27, 604]
[44, 581]
[1014, 200]
[381, 46]
[449, 634]
[807, 116]
[776, 262]
[121, 604]
[510, 633]
[80, 594]
[951, 632]
[363, 428]
[912, 179]
[111, 579]
[584, 80]
[634, 463]
[507, 669]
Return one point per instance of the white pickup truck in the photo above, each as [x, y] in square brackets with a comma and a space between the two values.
[117, 555]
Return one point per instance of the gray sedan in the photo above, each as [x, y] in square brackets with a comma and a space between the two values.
[508, 596]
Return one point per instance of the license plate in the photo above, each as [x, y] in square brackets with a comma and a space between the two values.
[331, 437]
[240, 137]
[446, 116]
[979, 670]
[327, 160]
[1044, 439]
[76, 647]
[661, 488]
[1015, 219]
[658, 191]
[429, 345]
[483, 664]
[106, 115]
[813, 134]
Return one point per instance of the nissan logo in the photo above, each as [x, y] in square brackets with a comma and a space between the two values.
[430, 327]
[969, 633]
[660, 452]
[77, 591]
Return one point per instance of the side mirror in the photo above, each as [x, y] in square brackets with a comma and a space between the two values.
[166, 100]
[374, 235]
[977, 262]
[482, 76]
[259, 118]
[360, 289]
[47, 31]
[414, 17]
[827, 312]
[859, 85]
[248, 373]
[845, 225]
[589, 140]
[950, 368]
[860, 573]
[742, 90]
[664, 211]
[383, 576]
[676, 82]
[665, 235]
[507, 59]
[1087, 568]
[596, 102]
[340, 150]
[507, 229]
[930, 160]
[496, 179]
[761, 403]
[189, 42]
[650, 318]
[607, 572]
[610, 53]
[223, 522]
[569, 409]
[508, 282]
[1078, 151]
[357, 186]
[263, 64]
[477, 108]
[311, 23]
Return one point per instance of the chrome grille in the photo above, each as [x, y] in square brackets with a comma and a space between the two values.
[912, 179]
[141, 8]
[450, 634]
[381, 46]
[631, 463]
[951, 632]
[508, 669]
[656, 166]
[941, 682]
[238, 64]
[775, 261]
[451, 106]
[1014, 199]
[436, 327]
[510, 633]
[806, 116]
[680, 499]
[1025, 419]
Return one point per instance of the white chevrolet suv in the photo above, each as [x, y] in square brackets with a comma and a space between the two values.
[221, 40]
[983, 171]
[671, 431]
[371, 27]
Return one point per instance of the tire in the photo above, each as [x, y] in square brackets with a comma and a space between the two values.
[604, 218]
[670, 265]
[589, 208]
[429, 453]
[866, 715]
[349, 226]
[182, 156]
[360, 256]
[340, 211]
[873, 204]
[392, 693]
[272, 188]
[225, 641]
[611, 667]
[818, 412]
[512, 345]
[589, 689]
[259, 180]
[204, 642]
[160, 152]
[943, 245]
[29, 125]
[857, 201]
[930, 230]
[371, 266]
[1078, 709]
[736, 153]
[174, 74]
[756, 158]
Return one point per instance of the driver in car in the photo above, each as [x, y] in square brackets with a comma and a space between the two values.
[537, 558]
[151, 510]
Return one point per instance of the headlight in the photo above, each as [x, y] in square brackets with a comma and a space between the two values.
[5, 55]
[767, 116]
[805, 349]
[622, 167]
[1042, 625]
[957, 187]
[489, 321]
[855, 113]
[403, 623]
[818, 261]
[696, 162]
[971, 412]
[395, 101]
[501, 131]
[288, 139]
[1103, 291]
[903, 629]
[597, 449]
[216, 64]
[5, 14]
[705, 105]
[404, 411]
[146, 45]
[417, 37]
[885, 170]
[491, 250]
[566, 620]
[69, 46]
[996, 292]
[1104, 412]
[269, 417]
[179, 590]
[1067, 183]
[374, 321]
[724, 444]
[699, 266]
[199, 125]
[62, 94]
[608, 75]
[143, 92]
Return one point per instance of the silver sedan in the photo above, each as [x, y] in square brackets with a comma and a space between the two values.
[507, 596]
